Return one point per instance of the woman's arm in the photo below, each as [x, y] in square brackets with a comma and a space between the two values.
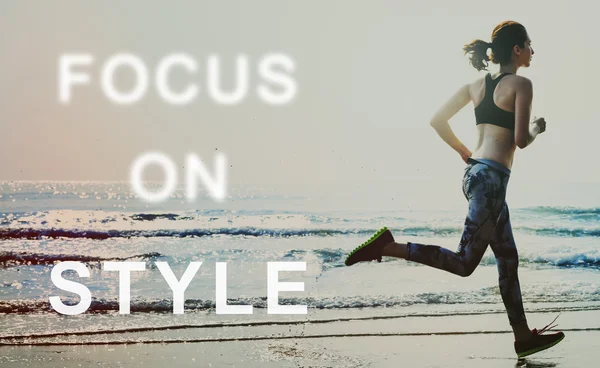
[526, 132]
[440, 120]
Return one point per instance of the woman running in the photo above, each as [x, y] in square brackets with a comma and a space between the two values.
[502, 113]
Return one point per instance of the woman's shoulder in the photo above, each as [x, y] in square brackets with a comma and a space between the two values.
[519, 83]
[476, 87]
[518, 80]
[511, 81]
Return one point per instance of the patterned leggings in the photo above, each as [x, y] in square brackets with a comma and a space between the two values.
[487, 222]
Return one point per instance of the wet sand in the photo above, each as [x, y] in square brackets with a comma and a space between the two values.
[448, 341]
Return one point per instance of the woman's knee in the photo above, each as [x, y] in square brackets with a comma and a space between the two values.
[464, 268]
[467, 269]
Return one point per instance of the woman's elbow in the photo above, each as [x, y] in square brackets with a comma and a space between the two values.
[521, 142]
[435, 123]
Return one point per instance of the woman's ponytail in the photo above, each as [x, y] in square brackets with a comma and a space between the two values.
[504, 37]
[478, 51]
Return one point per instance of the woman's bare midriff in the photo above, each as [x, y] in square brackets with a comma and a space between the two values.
[495, 143]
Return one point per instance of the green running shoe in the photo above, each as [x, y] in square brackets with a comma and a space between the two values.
[538, 342]
[371, 249]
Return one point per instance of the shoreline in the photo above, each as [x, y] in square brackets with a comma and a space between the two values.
[444, 341]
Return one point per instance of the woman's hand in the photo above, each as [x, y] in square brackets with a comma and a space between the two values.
[538, 126]
[465, 154]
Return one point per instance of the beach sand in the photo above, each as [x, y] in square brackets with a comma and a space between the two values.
[445, 341]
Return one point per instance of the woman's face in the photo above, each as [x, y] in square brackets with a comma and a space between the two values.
[525, 53]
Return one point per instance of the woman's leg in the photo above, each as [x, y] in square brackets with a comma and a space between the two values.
[504, 248]
[485, 189]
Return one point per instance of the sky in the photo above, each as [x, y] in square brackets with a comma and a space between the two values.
[370, 75]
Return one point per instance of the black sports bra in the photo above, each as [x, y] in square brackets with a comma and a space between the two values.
[488, 112]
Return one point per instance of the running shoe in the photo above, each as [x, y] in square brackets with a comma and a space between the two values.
[371, 249]
[538, 342]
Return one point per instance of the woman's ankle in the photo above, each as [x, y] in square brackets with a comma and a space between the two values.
[522, 332]
[397, 250]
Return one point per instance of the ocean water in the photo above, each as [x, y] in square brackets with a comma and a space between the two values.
[43, 223]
